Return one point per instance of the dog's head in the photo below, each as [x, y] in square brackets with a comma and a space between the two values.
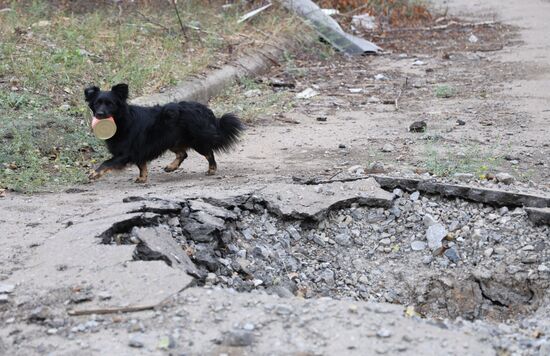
[106, 104]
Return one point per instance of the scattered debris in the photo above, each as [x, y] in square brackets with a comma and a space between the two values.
[329, 29]
[253, 13]
[504, 178]
[307, 93]
[136, 340]
[252, 93]
[418, 126]
[364, 21]
[277, 83]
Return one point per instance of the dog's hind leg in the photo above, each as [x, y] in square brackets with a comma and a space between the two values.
[142, 173]
[212, 166]
[181, 155]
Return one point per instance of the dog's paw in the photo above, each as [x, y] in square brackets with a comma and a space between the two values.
[210, 172]
[170, 168]
[94, 175]
[140, 180]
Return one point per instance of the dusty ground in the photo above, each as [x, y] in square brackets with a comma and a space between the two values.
[502, 96]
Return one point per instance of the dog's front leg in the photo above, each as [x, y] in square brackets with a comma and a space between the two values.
[107, 166]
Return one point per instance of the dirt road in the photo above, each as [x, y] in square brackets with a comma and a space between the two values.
[503, 98]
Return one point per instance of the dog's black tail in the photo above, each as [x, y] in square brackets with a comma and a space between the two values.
[230, 128]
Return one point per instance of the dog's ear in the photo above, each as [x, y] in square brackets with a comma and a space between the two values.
[90, 93]
[121, 90]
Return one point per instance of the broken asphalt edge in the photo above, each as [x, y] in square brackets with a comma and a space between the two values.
[205, 87]
[536, 206]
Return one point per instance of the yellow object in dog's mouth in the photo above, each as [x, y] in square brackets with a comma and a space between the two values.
[103, 129]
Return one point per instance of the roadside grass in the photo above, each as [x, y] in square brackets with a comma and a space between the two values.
[253, 108]
[445, 91]
[268, 100]
[49, 54]
[442, 161]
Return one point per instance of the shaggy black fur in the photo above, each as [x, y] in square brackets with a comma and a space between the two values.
[145, 133]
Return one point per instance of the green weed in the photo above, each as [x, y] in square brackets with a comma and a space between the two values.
[445, 91]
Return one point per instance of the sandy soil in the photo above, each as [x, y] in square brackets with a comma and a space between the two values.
[503, 97]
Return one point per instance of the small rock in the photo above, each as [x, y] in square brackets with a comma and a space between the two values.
[376, 167]
[341, 145]
[418, 126]
[488, 252]
[270, 229]
[428, 220]
[435, 234]
[327, 275]
[136, 340]
[388, 147]
[460, 122]
[354, 169]
[503, 211]
[543, 268]
[398, 192]
[452, 255]
[383, 333]
[3, 298]
[293, 233]
[253, 92]
[318, 189]
[395, 211]
[307, 94]
[282, 292]
[104, 295]
[373, 100]
[82, 296]
[380, 76]
[414, 196]
[385, 242]
[418, 62]
[238, 338]
[504, 178]
[473, 38]
[174, 221]
[463, 177]
[211, 278]
[6, 288]
[454, 225]
[39, 314]
[343, 239]
[283, 309]
[427, 260]
[418, 245]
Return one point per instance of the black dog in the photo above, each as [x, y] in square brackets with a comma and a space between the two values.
[145, 133]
